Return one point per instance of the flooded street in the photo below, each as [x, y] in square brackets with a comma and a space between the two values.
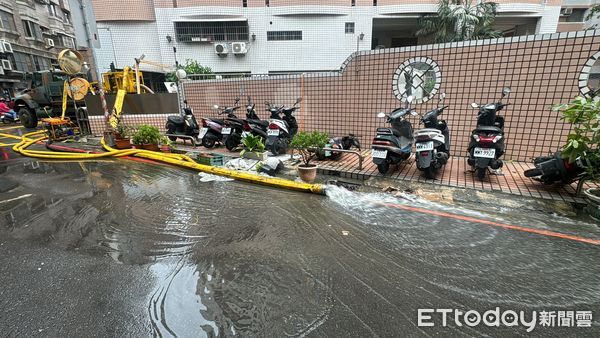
[121, 248]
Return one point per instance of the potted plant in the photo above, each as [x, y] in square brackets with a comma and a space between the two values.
[308, 145]
[165, 144]
[146, 137]
[122, 136]
[583, 143]
[254, 148]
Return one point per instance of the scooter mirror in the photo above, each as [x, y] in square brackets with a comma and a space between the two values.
[505, 91]
[381, 115]
[410, 99]
[442, 96]
[216, 106]
[298, 100]
[474, 105]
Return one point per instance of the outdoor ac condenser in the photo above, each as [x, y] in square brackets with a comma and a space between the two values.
[239, 48]
[221, 48]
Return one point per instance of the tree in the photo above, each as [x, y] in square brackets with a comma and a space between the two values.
[192, 67]
[593, 13]
[460, 20]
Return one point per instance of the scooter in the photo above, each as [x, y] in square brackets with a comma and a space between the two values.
[432, 143]
[393, 145]
[344, 143]
[211, 131]
[487, 139]
[233, 129]
[553, 168]
[9, 117]
[183, 126]
[281, 129]
[255, 125]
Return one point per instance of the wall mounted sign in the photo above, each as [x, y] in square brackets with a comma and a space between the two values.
[420, 77]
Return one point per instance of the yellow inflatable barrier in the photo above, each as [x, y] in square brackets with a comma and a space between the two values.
[175, 159]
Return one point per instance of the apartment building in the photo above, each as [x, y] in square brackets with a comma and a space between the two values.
[32, 33]
[272, 36]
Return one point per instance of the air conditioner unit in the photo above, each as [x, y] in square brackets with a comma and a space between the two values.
[6, 64]
[566, 11]
[7, 47]
[221, 48]
[239, 48]
[50, 42]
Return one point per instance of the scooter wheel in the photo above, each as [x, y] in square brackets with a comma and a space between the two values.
[533, 172]
[383, 167]
[232, 142]
[481, 173]
[5, 121]
[429, 172]
[208, 142]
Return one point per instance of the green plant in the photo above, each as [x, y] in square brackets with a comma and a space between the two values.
[259, 166]
[460, 20]
[309, 144]
[165, 141]
[584, 140]
[192, 67]
[252, 144]
[122, 130]
[146, 134]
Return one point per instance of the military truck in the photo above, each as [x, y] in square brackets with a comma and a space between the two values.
[44, 99]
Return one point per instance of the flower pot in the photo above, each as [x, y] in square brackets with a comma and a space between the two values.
[255, 156]
[148, 146]
[592, 197]
[165, 149]
[307, 173]
[122, 143]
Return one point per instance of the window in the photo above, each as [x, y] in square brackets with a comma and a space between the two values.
[353, 2]
[349, 27]
[52, 10]
[7, 21]
[284, 35]
[66, 17]
[374, 2]
[32, 30]
[267, 3]
[66, 41]
[211, 31]
[244, 3]
[22, 62]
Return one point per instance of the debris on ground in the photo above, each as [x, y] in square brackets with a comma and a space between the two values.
[271, 166]
[204, 177]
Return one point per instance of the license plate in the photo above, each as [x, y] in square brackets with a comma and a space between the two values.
[379, 153]
[273, 132]
[424, 146]
[484, 152]
[203, 132]
[226, 131]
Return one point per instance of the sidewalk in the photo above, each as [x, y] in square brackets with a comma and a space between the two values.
[456, 174]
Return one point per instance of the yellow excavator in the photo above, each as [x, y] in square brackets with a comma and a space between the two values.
[130, 80]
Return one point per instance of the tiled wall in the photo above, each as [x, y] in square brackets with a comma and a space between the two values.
[542, 70]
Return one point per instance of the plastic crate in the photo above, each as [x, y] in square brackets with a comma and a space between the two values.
[210, 159]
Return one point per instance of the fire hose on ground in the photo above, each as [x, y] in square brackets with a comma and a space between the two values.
[174, 159]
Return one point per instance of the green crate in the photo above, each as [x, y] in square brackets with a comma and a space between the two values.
[210, 159]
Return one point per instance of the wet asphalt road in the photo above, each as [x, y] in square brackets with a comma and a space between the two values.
[130, 249]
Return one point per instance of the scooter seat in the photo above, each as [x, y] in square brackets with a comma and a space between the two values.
[489, 129]
[219, 121]
[175, 119]
[259, 122]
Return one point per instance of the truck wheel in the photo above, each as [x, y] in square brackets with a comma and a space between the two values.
[28, 118]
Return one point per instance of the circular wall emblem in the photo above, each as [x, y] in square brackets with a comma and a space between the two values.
[589, 78]
[419, 77]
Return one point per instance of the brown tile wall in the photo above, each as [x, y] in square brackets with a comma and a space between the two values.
[120, 10]
[541, 73]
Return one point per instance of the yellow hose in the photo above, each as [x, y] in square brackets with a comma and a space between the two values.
[175, 159]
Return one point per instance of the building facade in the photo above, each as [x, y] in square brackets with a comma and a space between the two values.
[282, 36]
[32, 34]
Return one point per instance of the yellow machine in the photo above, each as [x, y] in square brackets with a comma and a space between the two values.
[126, 80]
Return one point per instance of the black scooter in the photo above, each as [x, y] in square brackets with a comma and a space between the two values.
[281, 128]
[212, 129]
[344, 143]
[487, 139]
[233, 128]
[183, 126]
[255, 125]
[393, 145]
[554, 168]
[432, 144]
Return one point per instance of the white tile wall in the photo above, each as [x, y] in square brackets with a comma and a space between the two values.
[324, 45]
